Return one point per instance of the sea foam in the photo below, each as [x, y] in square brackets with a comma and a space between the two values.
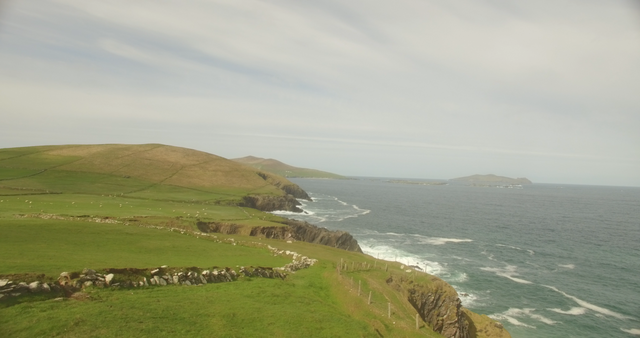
[590, 306]
[635, 332]
[575, 311]
[531, 252]
[508, 272]
[526, 312]
[439, 240]
[389, 253]
[567, 266]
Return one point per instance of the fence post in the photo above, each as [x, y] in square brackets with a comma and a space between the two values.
[369, 302]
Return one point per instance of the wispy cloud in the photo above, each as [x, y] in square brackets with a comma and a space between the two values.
[556, 85]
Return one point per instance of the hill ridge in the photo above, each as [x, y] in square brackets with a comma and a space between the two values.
[285, 170]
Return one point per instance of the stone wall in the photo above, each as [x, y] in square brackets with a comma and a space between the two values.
[69, 282]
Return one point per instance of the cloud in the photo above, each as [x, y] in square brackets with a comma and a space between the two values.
[489, 81]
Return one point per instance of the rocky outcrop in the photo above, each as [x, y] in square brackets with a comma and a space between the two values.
[271, 203]
[303, 231]
[285, 185]
[437, 304]
[295, 230]
[295, 191]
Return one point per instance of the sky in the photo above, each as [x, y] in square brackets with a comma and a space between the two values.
[548, 90]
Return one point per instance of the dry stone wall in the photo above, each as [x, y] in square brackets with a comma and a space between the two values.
[69, 282]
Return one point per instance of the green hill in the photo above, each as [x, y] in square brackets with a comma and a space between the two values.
[114, 217]
[284, 170]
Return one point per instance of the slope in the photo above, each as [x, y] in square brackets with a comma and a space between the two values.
[90, 213]
[283, 169]
[139, 171]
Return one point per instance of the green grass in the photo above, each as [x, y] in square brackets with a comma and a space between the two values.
[13, 173]
[148, 186]
[52, 246]
[249, 308]
[313, 302]
[126, 209]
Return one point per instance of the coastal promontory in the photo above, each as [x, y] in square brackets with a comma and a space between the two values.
[146, 240]
[285, 170]
[491, 179]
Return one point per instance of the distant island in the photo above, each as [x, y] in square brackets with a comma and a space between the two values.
[418, 182]
[282, 169]
[491, 180]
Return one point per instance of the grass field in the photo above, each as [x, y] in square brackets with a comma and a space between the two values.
[100, 207]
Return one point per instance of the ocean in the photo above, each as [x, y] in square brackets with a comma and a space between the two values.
[545, 260]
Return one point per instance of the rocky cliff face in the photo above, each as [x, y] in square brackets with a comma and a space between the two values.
[271, 203]
[295, 230]
[437, 304]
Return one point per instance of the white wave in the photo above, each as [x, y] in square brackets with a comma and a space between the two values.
[440, 240]
[531, 252]
[526, 312]
[510, 319]
[389, 253]
[635, 332]
[341, 202]
[458, 277]
[508, 246]
[590, 306]
[508, 272]
[362, 211]
[461, 258]
[568, 266]
[284, 212]
[544, 319]
[575, 311]
[468, 299]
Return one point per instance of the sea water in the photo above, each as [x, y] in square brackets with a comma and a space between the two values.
[544, 260]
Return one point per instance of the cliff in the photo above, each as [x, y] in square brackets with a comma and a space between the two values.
[271, 203]
[295, 230]
[285, 185]
[438, 305]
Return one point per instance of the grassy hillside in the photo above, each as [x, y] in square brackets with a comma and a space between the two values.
[146, 171]
[284, 170]
[65, 208]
